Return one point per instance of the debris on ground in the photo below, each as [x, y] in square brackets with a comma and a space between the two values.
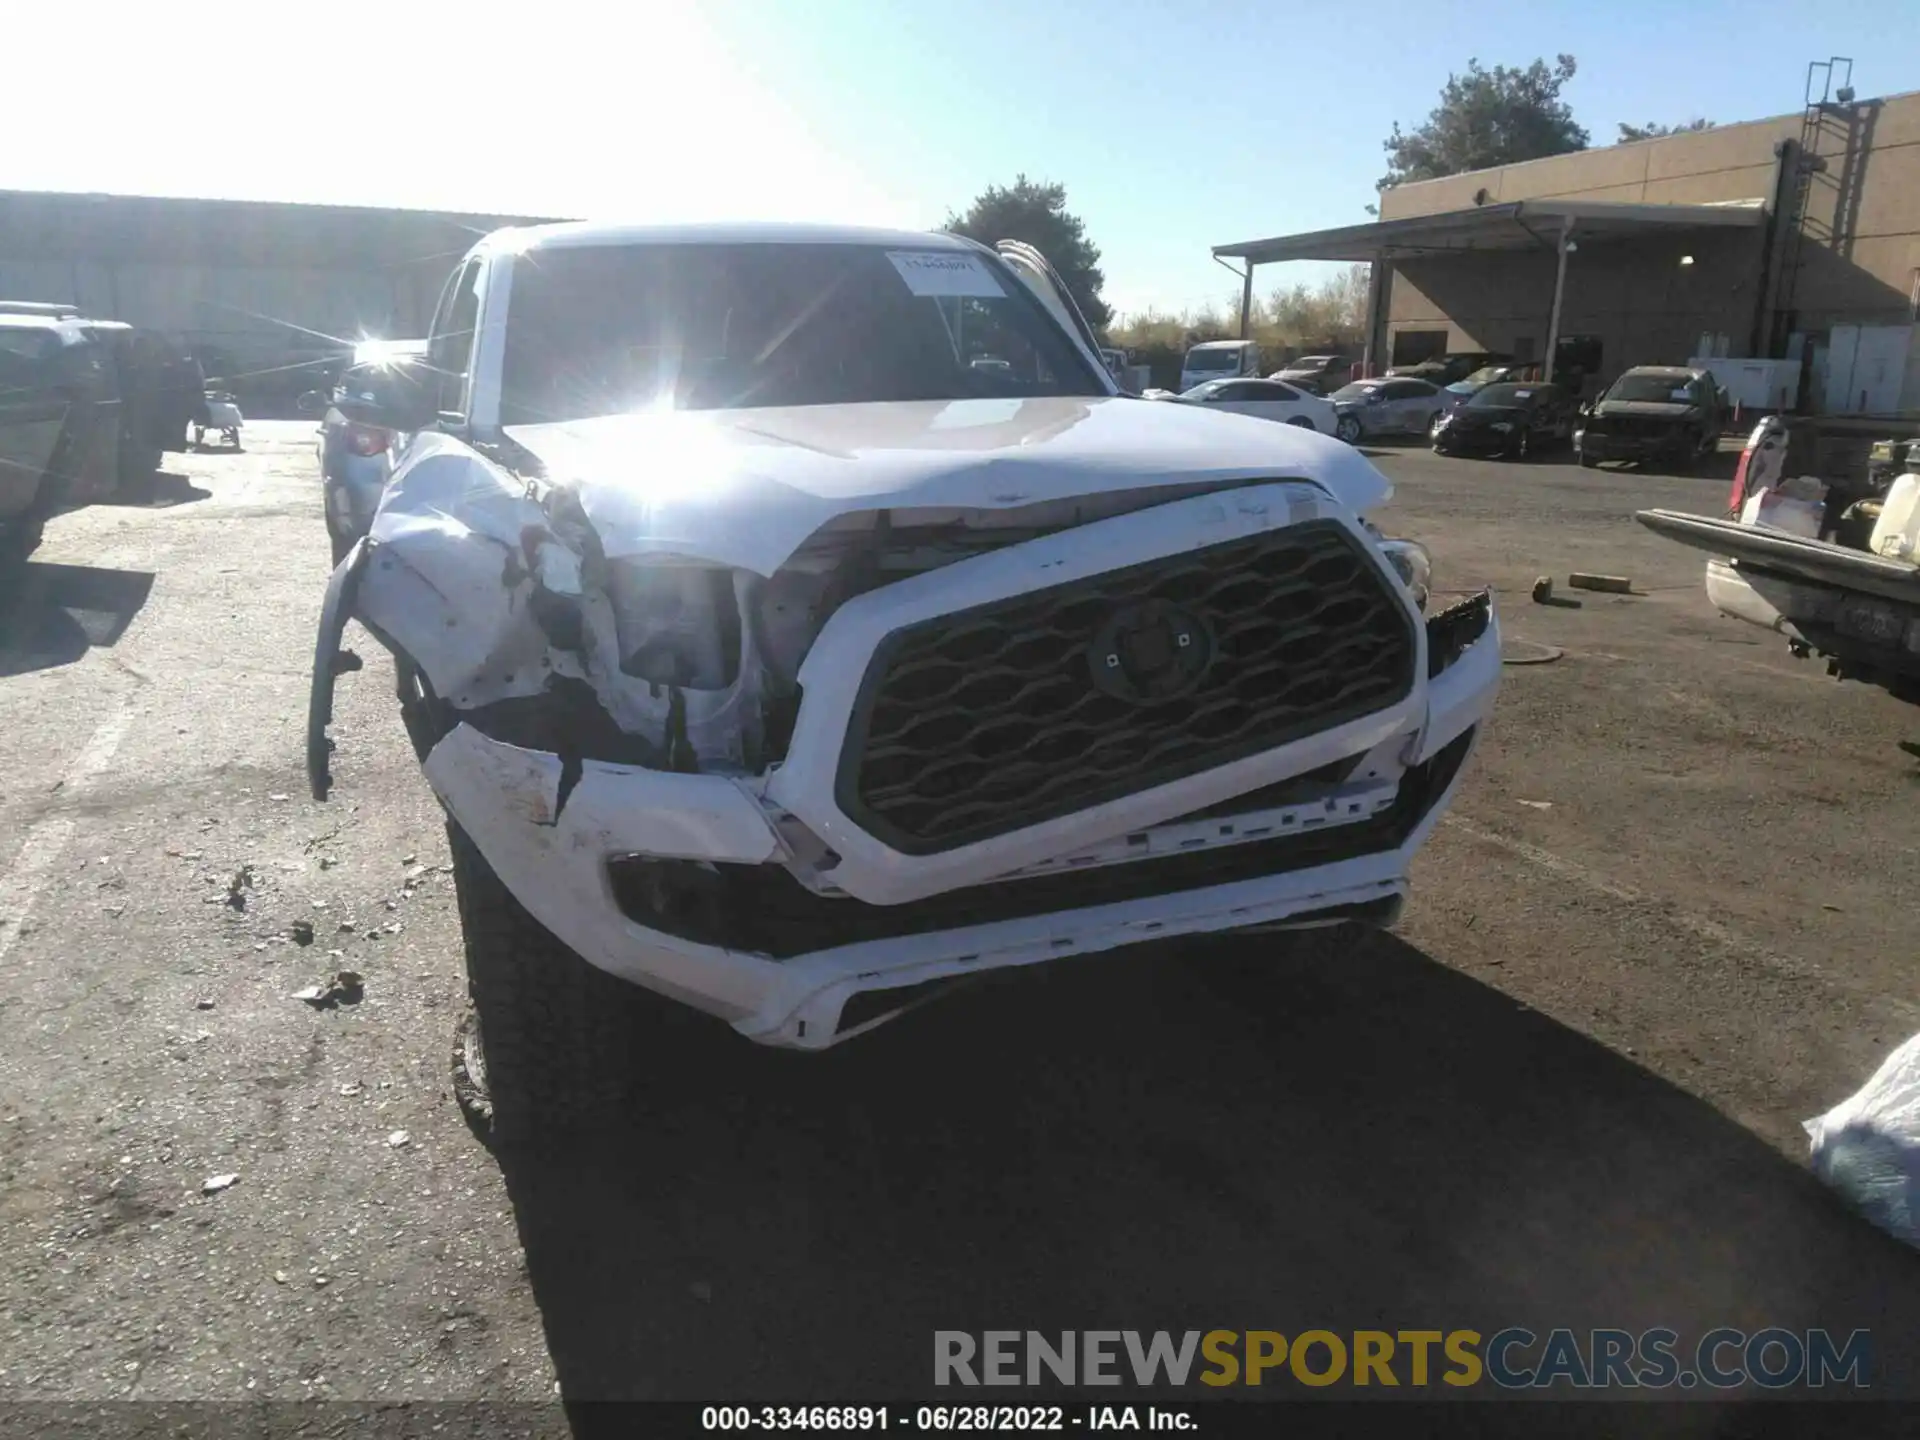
[277, 795]
[301, 931]
[347, 987]
[327, 862]
[408, 859]
[1610, 584]
[701, 1290]
[214, 1184]
[237, 887]
[1528, 652]
[1538, 804]
[1542, 589]
[203, 1003]
[1868, 1146]
[399, 1139]
[347, 927]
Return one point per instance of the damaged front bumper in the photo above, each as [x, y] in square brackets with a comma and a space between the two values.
[800, 951]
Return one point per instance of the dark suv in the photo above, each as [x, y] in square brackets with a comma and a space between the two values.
[1654, 412]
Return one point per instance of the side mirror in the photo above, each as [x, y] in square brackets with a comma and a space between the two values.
[313, 402]
[388, 397]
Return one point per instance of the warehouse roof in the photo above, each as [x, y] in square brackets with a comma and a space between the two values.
[1517, 225]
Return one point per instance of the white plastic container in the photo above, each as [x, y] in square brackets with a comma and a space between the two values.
[1896, 534]
[1775, 511]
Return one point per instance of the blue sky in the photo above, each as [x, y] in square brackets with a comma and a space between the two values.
[1174, 126]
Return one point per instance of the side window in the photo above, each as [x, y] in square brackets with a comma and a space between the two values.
[1236, 390]
[450, 346]
[1274, 390]
[23, 366]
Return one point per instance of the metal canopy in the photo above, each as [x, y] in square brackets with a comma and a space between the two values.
[1517, 225]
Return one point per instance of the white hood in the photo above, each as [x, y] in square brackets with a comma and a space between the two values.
[746, 488]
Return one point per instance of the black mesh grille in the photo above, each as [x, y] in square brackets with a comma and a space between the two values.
[985, 721]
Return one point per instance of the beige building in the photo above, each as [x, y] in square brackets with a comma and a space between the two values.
[1795, 239]
[262, 290]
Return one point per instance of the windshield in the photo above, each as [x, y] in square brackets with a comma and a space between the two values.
[1358, 390]
[1202, 390]
[1666, 389]
[1509, 396]
[1199, 361]
[1310, 362]
[1485, 375]
[600, 330]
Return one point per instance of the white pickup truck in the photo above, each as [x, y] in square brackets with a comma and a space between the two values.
[768, 654]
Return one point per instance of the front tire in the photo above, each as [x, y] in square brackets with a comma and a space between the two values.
[1301, 421]
[1347, 428]
[557, 1035]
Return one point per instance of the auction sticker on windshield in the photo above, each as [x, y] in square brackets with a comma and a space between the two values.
[938, 272]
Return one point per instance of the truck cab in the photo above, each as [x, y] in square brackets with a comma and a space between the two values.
[1219, 360]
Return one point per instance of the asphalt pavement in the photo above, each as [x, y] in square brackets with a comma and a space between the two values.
[1662, 926]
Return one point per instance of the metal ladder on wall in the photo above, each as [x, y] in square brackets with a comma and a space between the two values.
[1828, 118]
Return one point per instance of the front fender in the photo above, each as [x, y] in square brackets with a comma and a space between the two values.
[330, 662]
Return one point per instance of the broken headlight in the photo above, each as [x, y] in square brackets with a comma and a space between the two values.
[1412, 564]
[678, 623]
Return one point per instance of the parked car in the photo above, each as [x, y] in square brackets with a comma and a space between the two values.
[1367, 408]
[1507, 419]
[1267, 399]
[1321, 374]
[356, 460]
[1449, 368]
[815, 670]
[1219, 360]
[1461, 391]
[1663, 413]
[87, 409]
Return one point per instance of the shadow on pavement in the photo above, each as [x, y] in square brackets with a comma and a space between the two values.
[169, 488]
[1200, 1137]
[51, 615]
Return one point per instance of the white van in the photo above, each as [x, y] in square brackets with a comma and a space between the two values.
[1219, 360]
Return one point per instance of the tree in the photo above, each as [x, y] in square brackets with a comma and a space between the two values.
[1038, 214]
[1653, 130]
[1488, 117]
[1292, 320]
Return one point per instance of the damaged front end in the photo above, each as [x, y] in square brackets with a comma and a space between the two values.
[928, 741]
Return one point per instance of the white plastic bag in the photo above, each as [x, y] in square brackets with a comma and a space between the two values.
[1868, 1146]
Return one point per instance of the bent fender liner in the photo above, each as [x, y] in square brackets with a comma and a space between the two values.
[330, 662]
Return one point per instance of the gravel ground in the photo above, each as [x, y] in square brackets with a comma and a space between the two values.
[1650, 941]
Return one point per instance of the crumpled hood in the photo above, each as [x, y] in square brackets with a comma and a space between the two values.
[747, 487]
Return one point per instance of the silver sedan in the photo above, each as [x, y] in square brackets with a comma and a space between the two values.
[1388, 406]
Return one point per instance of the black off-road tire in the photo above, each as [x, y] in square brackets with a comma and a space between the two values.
[558, 1036]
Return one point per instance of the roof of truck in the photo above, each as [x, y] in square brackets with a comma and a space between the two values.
[594, 232]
